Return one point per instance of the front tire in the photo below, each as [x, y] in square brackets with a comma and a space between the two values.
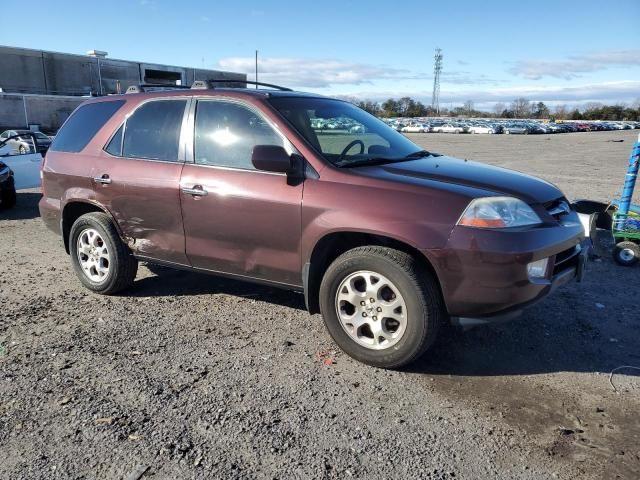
[101, 260]
[381, 306]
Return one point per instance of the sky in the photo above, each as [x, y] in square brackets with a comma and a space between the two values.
[556, 51]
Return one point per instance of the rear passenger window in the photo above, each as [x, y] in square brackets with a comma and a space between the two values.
[226, 133]
[83, 124]
[153, 131]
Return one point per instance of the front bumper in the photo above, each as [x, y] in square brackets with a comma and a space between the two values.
[575, 271]
[483, 273]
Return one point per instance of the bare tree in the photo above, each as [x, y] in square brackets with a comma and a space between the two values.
[521, 107]
[561, 112]
[468, 107]
[498, 108]
[591, 106]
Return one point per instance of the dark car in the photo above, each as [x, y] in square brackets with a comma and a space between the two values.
[516, 128]
[7, 187]
[386, 240]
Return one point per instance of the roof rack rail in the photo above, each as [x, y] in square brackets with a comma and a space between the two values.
[147, 87]
[207, 84]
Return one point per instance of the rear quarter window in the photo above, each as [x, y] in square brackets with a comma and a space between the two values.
[85, 122]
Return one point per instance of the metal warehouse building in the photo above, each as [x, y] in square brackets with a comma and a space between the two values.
[41, 87]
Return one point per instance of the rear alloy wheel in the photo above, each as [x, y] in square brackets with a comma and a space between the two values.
[101, 260]
[626, 253]
[381, 306]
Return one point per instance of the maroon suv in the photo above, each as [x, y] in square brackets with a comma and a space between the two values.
[386, 240]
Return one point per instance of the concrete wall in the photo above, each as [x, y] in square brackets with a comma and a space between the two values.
[54, 83]
[41, 72]
[49, 111]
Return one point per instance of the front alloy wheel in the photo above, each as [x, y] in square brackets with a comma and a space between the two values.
[382, 306]
[371, 310]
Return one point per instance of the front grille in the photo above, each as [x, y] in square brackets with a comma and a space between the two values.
[566, 259]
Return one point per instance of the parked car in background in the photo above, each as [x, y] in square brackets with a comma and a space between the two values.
[22, 141]
[357, 129]
[25, 167]
[516, 128]
[417, 128]
[447, 128]
[7, 187]
[388, 241]
[481, 129]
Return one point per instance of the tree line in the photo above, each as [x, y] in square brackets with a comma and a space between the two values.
[519, 108]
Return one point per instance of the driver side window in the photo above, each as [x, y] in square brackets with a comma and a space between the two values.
[226, 133]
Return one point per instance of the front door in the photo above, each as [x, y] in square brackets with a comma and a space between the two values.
[237, 219]
[137, 179]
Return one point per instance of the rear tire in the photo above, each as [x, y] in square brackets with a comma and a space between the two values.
[405, 292]
[626, 253]
[103, 263]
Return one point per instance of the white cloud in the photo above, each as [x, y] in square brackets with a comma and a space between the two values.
[313, 73]
[573, 66]
[605, 92]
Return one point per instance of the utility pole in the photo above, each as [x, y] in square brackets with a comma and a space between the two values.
[437, 69]
[98, 54]
[256, 69]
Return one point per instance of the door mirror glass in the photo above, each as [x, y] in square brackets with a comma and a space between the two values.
[271, 158]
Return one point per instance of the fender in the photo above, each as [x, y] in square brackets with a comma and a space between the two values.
[88, 206]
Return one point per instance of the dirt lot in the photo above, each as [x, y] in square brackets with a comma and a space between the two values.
[190, 376]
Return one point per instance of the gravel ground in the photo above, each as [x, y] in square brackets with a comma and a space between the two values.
[191, 376]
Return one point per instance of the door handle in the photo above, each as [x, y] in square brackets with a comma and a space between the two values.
[196, 191]
[104, 179]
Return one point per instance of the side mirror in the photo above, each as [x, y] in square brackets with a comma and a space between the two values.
[271, 158]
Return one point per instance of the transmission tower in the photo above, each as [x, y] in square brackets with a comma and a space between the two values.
[437, 69]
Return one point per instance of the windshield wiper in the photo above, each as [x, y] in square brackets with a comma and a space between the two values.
[361, 162]
[419, 154]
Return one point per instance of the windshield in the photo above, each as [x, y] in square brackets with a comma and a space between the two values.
[344, 134]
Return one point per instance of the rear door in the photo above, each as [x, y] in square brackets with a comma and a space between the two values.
[237, 219]
[137, 179]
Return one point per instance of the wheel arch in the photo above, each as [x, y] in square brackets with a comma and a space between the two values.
[334, 244]
[75, 209]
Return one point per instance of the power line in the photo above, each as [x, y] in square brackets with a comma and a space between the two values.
[437, 69]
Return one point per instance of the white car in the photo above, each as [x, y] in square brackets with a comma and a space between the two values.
[415, 129]
[447, 128]
[481, 129]
[26, 168]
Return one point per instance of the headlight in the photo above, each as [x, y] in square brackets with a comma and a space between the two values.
[498, 212]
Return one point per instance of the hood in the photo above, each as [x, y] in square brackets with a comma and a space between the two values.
[454, 171]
